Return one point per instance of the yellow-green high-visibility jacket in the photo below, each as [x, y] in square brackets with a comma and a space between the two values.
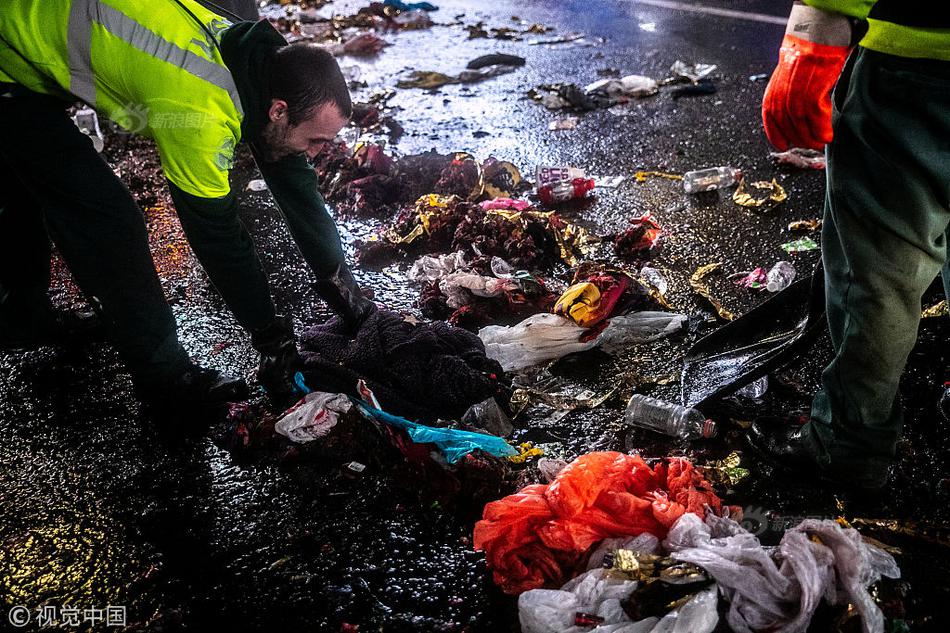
[148, 65]
[906, 28]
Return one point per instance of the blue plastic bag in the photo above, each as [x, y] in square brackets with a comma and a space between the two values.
[399, 5]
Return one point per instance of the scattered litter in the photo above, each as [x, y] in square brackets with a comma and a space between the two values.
[710, 178]
[655, 279]
[691, 72]
[595, 298]
[642, 176]
[568, 123]
[616, 90]
[805, 225]
[87, 121]
[495, 58]
[668, 418]
[414, 19]
[435, 267]
[536, 537]
[800, 245]
[726, 471]
[780, 276]
[313, 416]
[564, 191]
[755, 389]
[608, 182]
[454, 443]
[551, 175]
[526, 451]
[754, 279]
[257, 184]
[422, 371]
[430, 79]
[641, 240]
[401, 6]
[504, 204]
[745, 199]
[488, 416]
[696, 283]
[800, 158]
[537, 339]
[702, 87]
[936, 310]
[563, 96]
[759, 77]
[561, 39]
[780, 588]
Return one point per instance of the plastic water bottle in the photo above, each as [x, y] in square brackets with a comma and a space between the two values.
[710, 178]
[668, 418]
[780, 277]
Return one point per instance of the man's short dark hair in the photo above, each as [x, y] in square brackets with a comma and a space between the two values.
[307, 77]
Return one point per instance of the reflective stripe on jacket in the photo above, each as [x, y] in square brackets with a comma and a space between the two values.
[149, 65]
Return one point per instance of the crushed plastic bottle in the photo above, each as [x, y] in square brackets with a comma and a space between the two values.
[755, 389]
[564, 191]
[780, 277]
[668, 418]
[710, 179]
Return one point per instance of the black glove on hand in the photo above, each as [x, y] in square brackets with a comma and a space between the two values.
[344, 297]
[279, 359]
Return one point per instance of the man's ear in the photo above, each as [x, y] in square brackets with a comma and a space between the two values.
[277, 110]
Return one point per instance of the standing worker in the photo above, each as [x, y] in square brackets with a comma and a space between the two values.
[887, 211]
[198, 85]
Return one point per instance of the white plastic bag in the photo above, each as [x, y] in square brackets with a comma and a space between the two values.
[537, 339]
[431, 268]
[639, 327]
[593, 592]
[313, 416]
[459, 287]
[699, 615]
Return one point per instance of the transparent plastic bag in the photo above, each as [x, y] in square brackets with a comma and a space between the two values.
[313, 416]
[537, 339]
[639, 327]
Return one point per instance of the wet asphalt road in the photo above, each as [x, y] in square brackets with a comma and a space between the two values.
[98, 506]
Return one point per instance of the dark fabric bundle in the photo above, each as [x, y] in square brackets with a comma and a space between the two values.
[420, 371]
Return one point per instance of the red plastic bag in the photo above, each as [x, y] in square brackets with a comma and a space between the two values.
[538, 536]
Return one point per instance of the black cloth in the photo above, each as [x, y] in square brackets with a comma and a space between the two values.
[421, 372]
[52, 182]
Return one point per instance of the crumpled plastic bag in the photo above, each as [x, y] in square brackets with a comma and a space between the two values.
[778, 589]
[454, 443]
[458, 287]
[538, 536]
[639, 327]
[434, 267]
[598, 594]
[313, 416]
[538, 339]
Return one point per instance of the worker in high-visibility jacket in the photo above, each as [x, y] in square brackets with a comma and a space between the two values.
[887, 212]
[198, 85]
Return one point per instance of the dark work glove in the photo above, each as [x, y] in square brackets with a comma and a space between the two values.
[344, 297]
[279, 359]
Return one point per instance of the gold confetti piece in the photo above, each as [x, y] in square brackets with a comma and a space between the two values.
[940, 309]
[642, 176]
[805, 225]
[745, 199]
[696, 283]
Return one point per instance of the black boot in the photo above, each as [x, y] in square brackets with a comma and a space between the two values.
[783, 443]
[193, 386]
[279, 358]
[343, 295]
[27, 327]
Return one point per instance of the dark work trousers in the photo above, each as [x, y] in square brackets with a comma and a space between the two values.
[884, 240]
[55, 184]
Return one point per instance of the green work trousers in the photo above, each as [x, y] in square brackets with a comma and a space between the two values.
[884, 241]
[53, 183]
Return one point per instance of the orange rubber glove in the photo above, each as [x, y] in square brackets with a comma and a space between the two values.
[796, 108]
